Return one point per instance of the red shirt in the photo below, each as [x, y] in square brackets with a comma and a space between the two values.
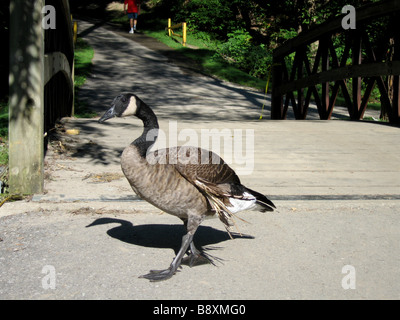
[132, 5]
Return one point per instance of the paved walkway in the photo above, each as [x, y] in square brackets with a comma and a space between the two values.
[336, 185]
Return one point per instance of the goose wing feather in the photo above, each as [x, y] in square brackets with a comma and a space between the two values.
[214, 178]
[197, 164]
[206, 166]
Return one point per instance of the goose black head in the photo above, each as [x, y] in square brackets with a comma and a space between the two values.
[123, 105]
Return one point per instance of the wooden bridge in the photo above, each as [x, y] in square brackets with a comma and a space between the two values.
[375, 66]
[41, 84]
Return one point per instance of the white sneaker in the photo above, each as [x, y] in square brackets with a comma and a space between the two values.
[131, 31]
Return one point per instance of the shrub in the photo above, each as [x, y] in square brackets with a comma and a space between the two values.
[241, 52]
[213, 16]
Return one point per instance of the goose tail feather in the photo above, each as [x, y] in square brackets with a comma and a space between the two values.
[263, 203]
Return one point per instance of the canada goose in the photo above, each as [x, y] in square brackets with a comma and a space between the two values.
[188, 182]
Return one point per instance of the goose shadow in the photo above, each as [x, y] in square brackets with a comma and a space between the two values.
[165, 236]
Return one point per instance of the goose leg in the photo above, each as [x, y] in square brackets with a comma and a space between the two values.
[196, 257]
[159, 275]
[187, 240]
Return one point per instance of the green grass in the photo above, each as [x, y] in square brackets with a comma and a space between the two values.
[4, 118]
[213, 65]
[84, 54]
[203, 52]
[3, 132]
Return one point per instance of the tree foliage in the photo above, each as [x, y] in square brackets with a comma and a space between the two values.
[250, 29]
[264, 20]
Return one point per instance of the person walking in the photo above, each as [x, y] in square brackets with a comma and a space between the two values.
[132, 8]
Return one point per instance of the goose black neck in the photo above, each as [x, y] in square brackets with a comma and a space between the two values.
[150, 131]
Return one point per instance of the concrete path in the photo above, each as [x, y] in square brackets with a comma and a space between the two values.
[336, 185]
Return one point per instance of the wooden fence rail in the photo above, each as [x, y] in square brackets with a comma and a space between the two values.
[182, 25]
[331, 73]
[41, 85]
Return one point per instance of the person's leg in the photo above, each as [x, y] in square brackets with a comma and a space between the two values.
[135, 16]
[131, 23]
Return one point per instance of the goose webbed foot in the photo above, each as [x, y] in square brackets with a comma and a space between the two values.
[159, 275]
[193, 260]
[196, 257]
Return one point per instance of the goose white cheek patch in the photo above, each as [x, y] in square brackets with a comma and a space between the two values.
[132, 107]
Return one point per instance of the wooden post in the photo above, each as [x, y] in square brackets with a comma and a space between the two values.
[277, 98]
[26, 97]
[300, 93]
[169, 27]
[324, 43]
[75, 37]
[184, 34]
[396, 100]
[395, 117]
[357, 55]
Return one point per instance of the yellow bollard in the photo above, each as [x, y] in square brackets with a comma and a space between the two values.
[169, 27]
[75, 31]
[184, 34]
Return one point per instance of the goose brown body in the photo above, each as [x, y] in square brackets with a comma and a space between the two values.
[188, 182]
[171, 194]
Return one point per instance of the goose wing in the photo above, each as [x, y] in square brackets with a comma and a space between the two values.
[217, 181]
[212, 177]
[207, 170]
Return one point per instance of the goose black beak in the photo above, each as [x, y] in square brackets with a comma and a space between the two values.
[110, 113]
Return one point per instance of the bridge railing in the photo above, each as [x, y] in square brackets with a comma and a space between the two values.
[58, 65]
[41, 85]
[330, 71]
